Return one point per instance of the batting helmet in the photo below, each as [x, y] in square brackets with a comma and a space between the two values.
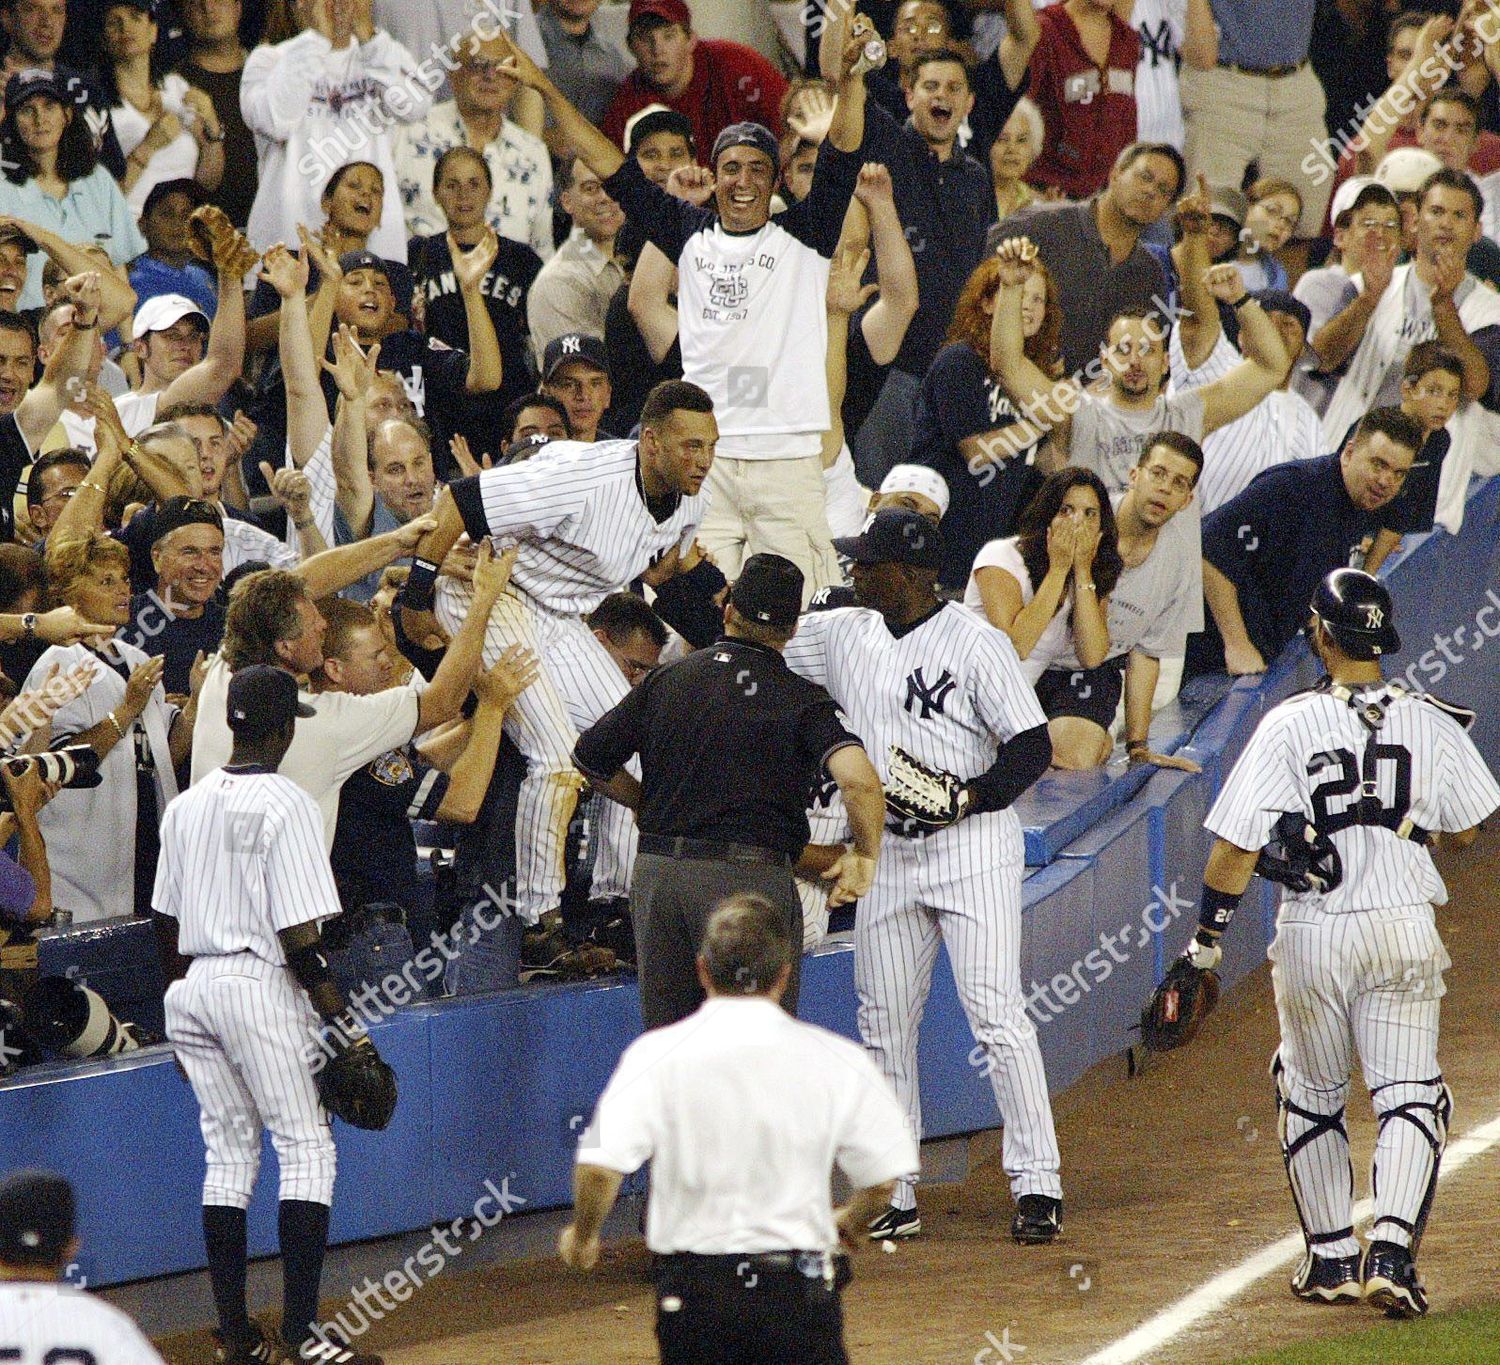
[1300, 858]
[1355, 609]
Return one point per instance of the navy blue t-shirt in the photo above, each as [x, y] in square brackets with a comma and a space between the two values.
[179, 638]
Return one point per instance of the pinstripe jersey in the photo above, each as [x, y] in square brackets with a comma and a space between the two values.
[1316, 754]
[1282, 426]
[948, 690]
[57, 1324]
[580, 518]
[242, 857]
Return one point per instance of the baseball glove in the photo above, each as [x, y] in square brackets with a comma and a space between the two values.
[1299, 858]
[922, 799]
[1177, 1008]
[358, 1087]
[215, 240]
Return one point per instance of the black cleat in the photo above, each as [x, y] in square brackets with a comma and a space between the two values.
[331, 1348]
[1038, 1220]
[1328, 1279]
[1391, 1281]
[894, 1224]
[256, 1349]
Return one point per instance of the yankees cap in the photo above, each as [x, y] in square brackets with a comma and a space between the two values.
[262, 698]
[895, 536]
[25, 85]
[574, 346]
[769, 591]
[37, 1213]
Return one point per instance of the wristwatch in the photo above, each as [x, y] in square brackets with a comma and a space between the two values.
[28, 624]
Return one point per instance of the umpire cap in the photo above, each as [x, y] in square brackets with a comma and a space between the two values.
[1355, 608]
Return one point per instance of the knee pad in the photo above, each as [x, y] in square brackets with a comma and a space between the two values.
[1299, 1125]
[1428, 1107]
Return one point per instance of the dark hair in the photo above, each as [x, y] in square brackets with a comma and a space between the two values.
[20, 571]
[336, 179]
[623, 614]
[1455, 94]
[76, 156]
[1453, 180]
[108, 89]
[1427, 356]
[1133, 153]
[563, 180]
[1408, 18]
[673, 395]
[1391, 423]
[462, 149]
[1031, 528]
[943, 53]
[746, 944]
[262, 611]
[20, 322]
[512, 413]
[1179, 443]
[51, 460]
[180, 410]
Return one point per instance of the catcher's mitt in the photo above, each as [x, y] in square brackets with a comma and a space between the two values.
[358, 1087]
[922, 799]
[1177, 1008]
[1300, 858]
[215, 240]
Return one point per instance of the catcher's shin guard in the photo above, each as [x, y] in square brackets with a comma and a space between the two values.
[1428, 1107]
[1298, 1128]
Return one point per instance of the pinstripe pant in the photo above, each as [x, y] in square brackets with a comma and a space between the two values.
[577, 683]
[1366, 983]
[962, 887]
[239, 1027]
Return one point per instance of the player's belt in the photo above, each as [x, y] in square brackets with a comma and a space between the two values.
[710, 850]
[1270, 73]
[828, 1266]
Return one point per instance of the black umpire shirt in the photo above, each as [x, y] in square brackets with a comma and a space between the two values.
[731, 742]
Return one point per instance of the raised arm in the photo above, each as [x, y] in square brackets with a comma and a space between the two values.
[1021, 33]
[839, 50]
[116, 298]
[1048, 404]
[68, 364]
[844, 298]
[1265, 362]
[306, 408]
[496, 688]
[598, 152]
[335, 569]
[886, 320]
[1200, 37]
[650, 301]
[209, 380]
[353, 371]
[469, 268]
[1198, 319]
[449, 688]
[1424, 74]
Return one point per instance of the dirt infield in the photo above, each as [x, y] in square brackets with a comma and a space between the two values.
[1171, 1177]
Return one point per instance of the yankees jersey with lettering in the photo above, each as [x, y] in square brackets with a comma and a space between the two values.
[242, 857]
[1357, 782]
[59, 1324]
[948, 689]
[1162, 26]
[578, 514]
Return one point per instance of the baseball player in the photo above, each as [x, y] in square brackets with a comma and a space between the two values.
[1354, 777]
[588, 520]
[927, 680]
[241, 888]
[43, 1319]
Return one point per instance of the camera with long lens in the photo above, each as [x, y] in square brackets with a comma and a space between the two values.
[75, 766]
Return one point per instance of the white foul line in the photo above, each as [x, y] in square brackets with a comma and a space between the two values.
[1209, 1298]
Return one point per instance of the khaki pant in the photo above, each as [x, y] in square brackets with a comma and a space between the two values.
[769, 507]
[1233, 119]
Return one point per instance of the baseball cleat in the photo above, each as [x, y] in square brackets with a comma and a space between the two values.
[256, 1349]
[332, 1348]
[1328, 1279]
[1391, 1281]
[1038, 1219]
[895, 1223]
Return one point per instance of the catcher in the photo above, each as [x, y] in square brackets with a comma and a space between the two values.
[241, 887]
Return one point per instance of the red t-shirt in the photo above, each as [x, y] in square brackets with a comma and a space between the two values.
[1089, 111]
[1482, 160]
[731, 84]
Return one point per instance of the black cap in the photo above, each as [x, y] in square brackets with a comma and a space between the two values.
[175, 513]
[37, 1214]
[159, 191]
[351, 261]
[768, 591]
[262, 698]
[896, 535]
[747, 134]
[525, 448]
[34, 81]
[9, 232]
[658, 120]
[574, 346]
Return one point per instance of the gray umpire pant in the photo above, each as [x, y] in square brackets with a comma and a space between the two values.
[671, 898]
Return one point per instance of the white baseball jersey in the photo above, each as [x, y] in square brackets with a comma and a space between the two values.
[1162, 25]
[58, 1324]
[1316, 754]
[948, 690]
[242, 858]
[579, 515]
[1282, 426]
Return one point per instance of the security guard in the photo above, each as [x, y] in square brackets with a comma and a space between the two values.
[742, 1113]
[731, 742]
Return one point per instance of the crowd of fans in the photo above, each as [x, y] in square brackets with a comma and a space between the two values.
[1104, 289]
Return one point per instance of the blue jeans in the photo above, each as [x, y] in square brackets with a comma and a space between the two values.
[377, 945]
[489, 951]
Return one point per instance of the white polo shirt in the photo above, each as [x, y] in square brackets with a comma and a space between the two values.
[742, 1112]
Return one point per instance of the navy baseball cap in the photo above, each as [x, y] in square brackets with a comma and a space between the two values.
[574, 346]
[895, 536]
[25, 85]
[195, 192]
[351, 261]
[768, 590]
[37, 1216]
[262, 698]
[175, 513]
[747, 135]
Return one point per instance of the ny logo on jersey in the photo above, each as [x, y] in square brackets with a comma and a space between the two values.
[1374, 617]
[930, 696]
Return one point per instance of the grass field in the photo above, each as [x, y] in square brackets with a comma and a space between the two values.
[1445, 1339]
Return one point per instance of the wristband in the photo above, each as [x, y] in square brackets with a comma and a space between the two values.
[1132, 745]
[1248, 298]
[420, 586]
[1216, 909]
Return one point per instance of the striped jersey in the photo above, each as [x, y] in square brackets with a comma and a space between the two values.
[578, 514]
[58, 1324]
[949, 689]
[1282, 426]
[242, 857]
[1319, 754]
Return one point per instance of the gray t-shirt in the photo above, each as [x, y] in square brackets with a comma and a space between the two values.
[1109, 439]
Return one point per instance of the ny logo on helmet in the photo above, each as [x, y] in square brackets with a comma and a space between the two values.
[1374, 617]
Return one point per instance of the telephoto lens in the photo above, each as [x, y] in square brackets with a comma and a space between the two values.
[75, 766]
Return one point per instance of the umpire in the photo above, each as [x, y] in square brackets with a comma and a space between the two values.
[742, 1113]
[731, 742]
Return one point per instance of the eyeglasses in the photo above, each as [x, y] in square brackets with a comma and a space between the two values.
[1377, 225]
[931, 29]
